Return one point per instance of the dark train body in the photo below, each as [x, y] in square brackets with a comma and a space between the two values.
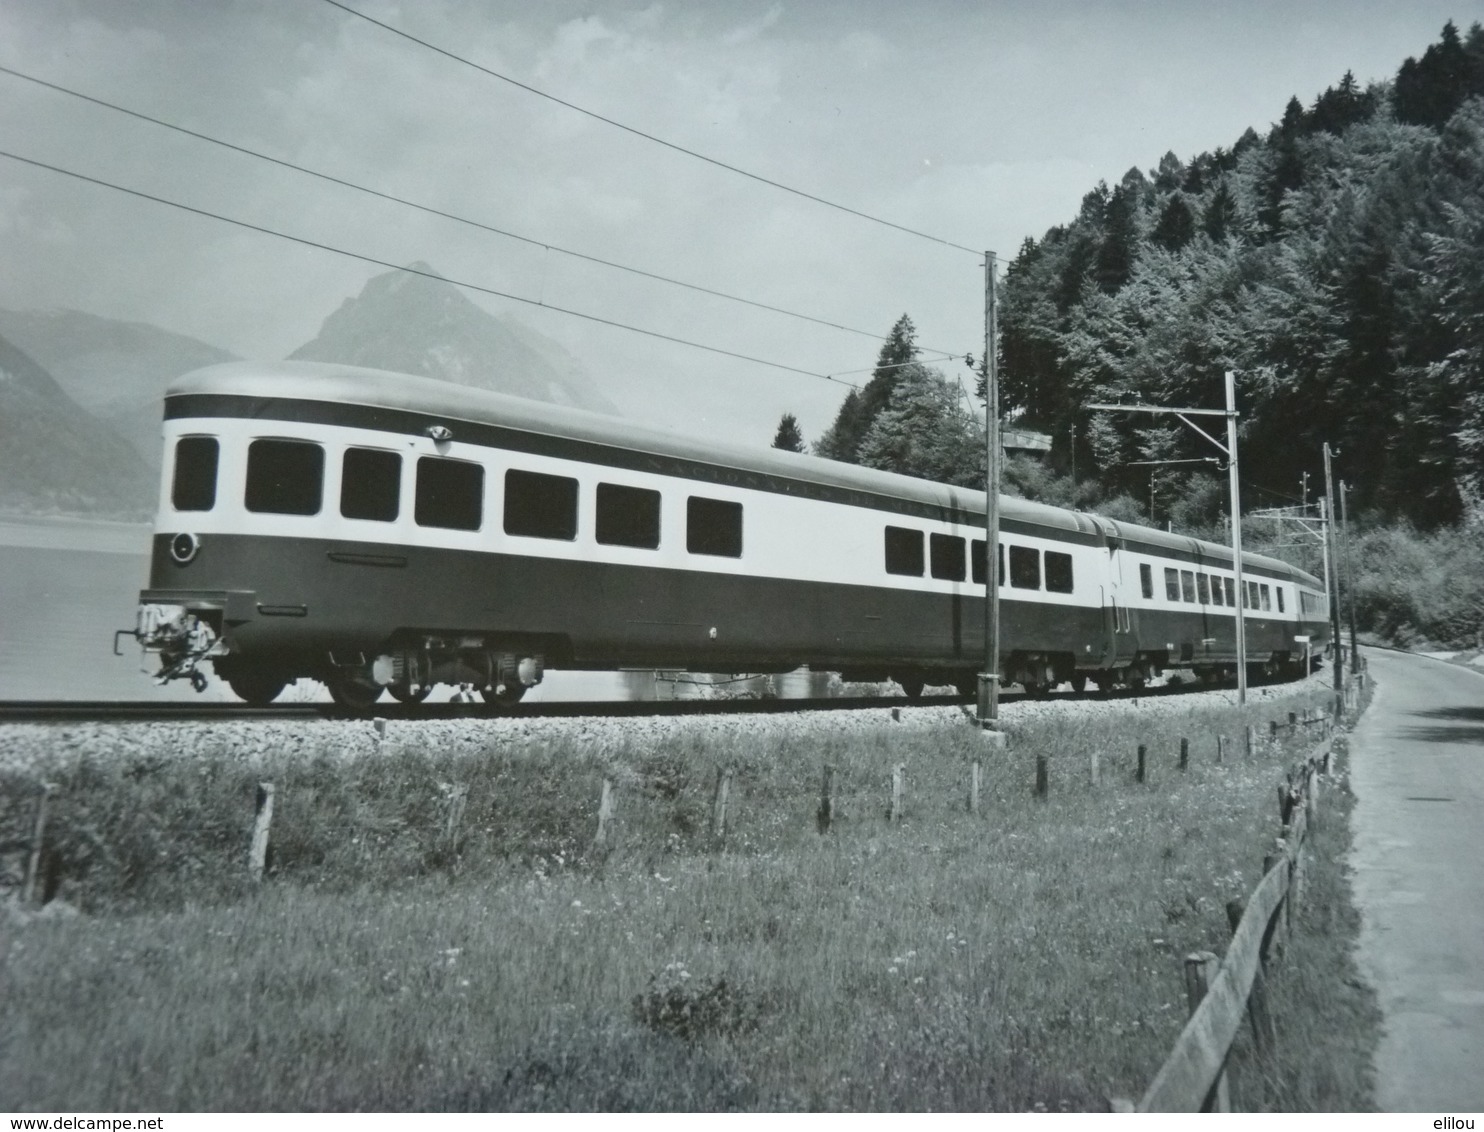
[382, 531]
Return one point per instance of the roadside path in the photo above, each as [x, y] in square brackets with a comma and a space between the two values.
[1417, 769]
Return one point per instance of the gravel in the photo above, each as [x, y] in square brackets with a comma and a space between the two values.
[36, 747]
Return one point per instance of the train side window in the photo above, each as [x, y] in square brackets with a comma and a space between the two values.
[1025, 568]
[1172, 584]
[976, 562]
[450, 494]
[193, 486]
[946, 557]
[285, 477]
[628, 516]
[1251, 595]
[1230, 585]
[1187, 585]
[904, 552]
[1058, 572]
[1280, 598]
[1267, 597]
[713, 526]
[539, 506]
[370, 484]
[1215, 589]
[1146, 579]
[1203, 589]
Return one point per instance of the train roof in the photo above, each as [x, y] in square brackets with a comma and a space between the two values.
[335, 384]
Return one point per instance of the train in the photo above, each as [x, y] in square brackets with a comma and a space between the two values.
[386, 533]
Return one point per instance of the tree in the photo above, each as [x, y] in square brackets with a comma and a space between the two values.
[860, 408]
[926, 431]
[1176, 225]
[788, 437]
[1220, 219]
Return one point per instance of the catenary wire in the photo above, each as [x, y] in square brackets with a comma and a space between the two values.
[432, 211]
[425, 274]
[647, 136]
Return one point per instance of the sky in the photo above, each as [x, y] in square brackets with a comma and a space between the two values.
[976, 123]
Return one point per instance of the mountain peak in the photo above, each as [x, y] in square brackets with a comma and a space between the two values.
[414, 321]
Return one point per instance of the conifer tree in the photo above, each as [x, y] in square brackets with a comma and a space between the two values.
[788, 437]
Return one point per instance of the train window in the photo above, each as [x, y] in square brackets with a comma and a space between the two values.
[1203, 589]
[285, 477]
[1058, 572]
[450, 494]
[1251, 595]
[1146, 579]
[1172, 584]
[976, 562]
[540, 506]
[713, 526]
[1230, 585]
[1267, 597]
[193, 487]
[904, 552]
[628, 516]
[370, 484]
[1187, 585]
[1215, 589]
[1280, 598]
[947, 557]
[1025, 568]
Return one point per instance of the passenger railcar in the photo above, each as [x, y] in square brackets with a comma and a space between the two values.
[379, 531]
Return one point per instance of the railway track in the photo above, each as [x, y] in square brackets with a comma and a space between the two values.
[107, 711]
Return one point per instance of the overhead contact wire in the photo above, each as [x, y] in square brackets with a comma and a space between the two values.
[432, 211]
[414, 271]
[648, 136]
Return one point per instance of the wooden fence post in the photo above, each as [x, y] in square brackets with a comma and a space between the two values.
[1200, 972]
[1139, 770]
[1272, 730]
[257, 853]
[719, 803]
[379, 734]
[458, 798]
[1251, 741]
[1276, 939]
[1184, 754]
[976, 769]
[1042, 785]
[1292, 722]
[605, 813]
[38, 835]
[1263, 1033]
[894, 815]
[826, 810]
[1220, 748]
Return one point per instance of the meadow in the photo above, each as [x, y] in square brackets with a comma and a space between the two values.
[440, 933]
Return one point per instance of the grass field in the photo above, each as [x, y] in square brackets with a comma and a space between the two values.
[1028, 956]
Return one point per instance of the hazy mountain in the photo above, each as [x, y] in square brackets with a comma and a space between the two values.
[413, 324]
[54, 457]
[115, 370]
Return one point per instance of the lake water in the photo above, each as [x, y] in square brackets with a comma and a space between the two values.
[67, 584]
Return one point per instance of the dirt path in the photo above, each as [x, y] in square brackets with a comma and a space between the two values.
[1417, 761]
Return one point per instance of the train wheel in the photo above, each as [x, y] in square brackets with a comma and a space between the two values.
[968, 686]
[352, 691]
[912, 685]
[1035, 689]
[1079, 683]
[504, 696]
[405, 695]
[258, 686]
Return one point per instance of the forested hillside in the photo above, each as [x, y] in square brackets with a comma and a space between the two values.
[1336, 263]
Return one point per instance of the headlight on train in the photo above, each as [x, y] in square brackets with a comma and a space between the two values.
[184, 547]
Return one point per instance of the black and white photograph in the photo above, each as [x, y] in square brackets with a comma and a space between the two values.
[741, 556]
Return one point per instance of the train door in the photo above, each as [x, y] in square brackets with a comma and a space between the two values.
[1120, 620]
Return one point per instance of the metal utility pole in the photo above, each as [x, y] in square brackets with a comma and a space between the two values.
[989, 679]
[1229, 450]
[1331, 587]
[1349, 577]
